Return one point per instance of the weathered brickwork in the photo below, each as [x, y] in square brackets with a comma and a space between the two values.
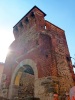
[44, 44]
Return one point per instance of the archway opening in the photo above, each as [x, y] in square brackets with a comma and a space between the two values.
[24, 82]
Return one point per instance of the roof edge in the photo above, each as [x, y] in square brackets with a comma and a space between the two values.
[29, 12]
[55, 25]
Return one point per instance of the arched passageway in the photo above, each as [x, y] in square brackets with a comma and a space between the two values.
[24, 82]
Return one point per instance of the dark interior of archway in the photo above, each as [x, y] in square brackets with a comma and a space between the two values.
[28, 69]
[26, 83]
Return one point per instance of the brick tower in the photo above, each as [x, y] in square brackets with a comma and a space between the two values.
[38, 65]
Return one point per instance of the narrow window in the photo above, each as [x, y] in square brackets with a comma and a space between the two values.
[21, 25]
[32, 14]
[16, 28]
[26, 20]
[45, 27]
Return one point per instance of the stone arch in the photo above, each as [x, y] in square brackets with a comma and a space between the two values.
[24, 62]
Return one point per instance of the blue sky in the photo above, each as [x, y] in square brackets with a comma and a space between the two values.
[59, 12]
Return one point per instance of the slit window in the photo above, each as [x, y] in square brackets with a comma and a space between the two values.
[32, 14]
[21, 25]
[26, 20]
[16, 28]
[45, 27]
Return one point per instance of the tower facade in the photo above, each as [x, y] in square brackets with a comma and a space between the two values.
[38, 64]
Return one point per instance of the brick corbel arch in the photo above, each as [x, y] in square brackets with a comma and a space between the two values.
[24, 62]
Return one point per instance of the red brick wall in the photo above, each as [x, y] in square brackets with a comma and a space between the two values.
[46, 46]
